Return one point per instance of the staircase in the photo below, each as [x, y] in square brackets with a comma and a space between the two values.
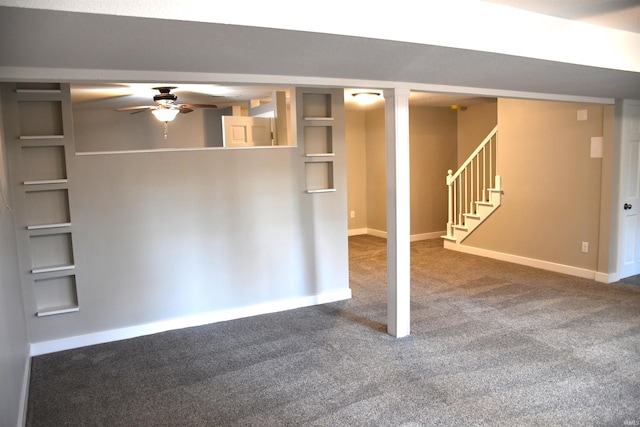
[475, 191]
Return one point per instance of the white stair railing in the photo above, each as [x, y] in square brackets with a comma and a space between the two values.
[470, 185]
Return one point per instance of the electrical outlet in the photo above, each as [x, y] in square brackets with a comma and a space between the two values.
[585, 247]
[353, 214]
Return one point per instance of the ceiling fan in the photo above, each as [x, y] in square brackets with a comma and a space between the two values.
[167, 107]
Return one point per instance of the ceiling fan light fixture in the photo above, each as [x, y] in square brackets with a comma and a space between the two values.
[165, 114]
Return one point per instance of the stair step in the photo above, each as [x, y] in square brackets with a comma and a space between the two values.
[461, 227]
[472, 216]
[449, 238]
[490, 204]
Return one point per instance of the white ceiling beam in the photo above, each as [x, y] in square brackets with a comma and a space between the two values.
[464, 24]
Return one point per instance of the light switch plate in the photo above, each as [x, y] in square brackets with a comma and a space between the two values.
[582, 115]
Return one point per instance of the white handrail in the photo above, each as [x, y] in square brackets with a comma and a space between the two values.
[476, 151]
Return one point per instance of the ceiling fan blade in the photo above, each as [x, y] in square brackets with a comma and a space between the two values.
[140, 107]
[198, 106]
[143, 110]
[184, 109]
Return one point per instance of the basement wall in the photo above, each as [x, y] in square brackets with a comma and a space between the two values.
[474, 124]
[167, 239]
[552, 187]
[356, 168]
[14, 343]
[433, 138]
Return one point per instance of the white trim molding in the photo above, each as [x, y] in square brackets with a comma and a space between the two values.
[606, 277]
[24, 393]
[357, 232]
[383, 234]
[516, 259]
[376, 233]
[52, 346]
[532, 262]
[427, 236]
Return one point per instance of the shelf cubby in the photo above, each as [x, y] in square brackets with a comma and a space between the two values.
[40, 118]
[36, 87]
[56, 295]
[43, 164]
[319, 177]
[316, 106]
[318, 140]
[39, 142]
[47, 207]
[51, 252]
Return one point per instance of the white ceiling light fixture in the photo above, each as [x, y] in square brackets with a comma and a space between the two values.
[165, 114]
[166, 107]
[366, 97]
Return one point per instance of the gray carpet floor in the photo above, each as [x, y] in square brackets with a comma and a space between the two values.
[491, 344]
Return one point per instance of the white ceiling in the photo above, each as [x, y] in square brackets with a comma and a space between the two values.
[99, 48]
[619, 14]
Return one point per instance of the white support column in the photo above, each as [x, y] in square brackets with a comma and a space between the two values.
[398, 211]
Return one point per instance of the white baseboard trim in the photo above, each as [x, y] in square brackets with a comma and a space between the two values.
[530, 262]
[24, 393]
[427, 236]
[383, 234]
[607, 277]
[357, 231]
[52, 346]
[376, 233]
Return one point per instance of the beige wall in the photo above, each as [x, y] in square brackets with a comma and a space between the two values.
[433, 152]
[356, 168]
[474, 124]
[433, 138]
[552, 187]
[376, 170]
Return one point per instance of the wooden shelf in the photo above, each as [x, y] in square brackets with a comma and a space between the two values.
[319, 118]
[47, 181]
[38, 91]
[52, 269]
[320, 155]
[321, 190]
[47, 226]
[32, 137]
[40, 154]
[57, 310]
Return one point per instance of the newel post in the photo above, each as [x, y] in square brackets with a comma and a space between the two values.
[450, 217]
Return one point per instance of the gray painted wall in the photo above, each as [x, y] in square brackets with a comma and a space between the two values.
[164, 235]
[14, 347]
